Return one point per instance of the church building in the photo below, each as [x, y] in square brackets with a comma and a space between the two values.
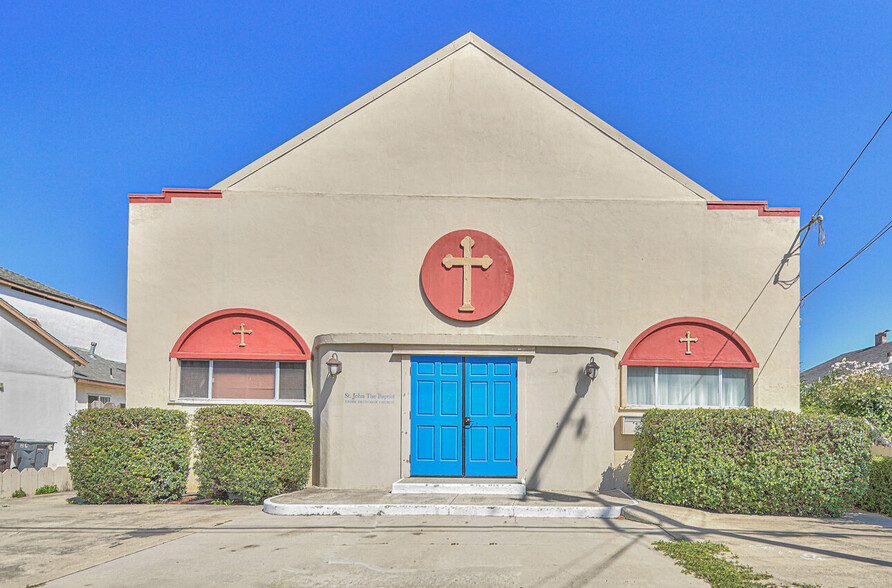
[462, 274]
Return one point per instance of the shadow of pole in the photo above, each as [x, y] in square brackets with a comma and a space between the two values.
[318, 408]
[582, 386]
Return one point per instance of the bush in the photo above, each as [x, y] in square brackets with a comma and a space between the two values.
[878, 497]
[252, 452]
[854, 389]
[47, 489]
[128, 454]
[19, 493]
[751, 461]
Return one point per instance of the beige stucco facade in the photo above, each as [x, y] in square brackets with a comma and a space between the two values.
[328, 234]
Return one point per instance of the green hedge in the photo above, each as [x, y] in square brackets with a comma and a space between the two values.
[128, 454]
[878, 497]
[252, 452]
[751, 461]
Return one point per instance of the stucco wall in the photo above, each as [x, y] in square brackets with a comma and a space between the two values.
[37, 400]
[329, 234]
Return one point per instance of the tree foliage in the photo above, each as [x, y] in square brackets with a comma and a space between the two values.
[855, 389]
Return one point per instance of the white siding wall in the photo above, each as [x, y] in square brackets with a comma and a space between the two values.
[38, 396]
[75, 327]
[83, 390]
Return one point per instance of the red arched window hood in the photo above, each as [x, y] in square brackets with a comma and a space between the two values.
[241, 333]
[689, 342]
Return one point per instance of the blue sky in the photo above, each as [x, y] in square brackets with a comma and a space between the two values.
[755, 101]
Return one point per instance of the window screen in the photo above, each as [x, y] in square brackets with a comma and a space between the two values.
[292, 380]
[193, 379]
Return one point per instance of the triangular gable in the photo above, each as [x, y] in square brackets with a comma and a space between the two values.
[467, 120]
[40, 334]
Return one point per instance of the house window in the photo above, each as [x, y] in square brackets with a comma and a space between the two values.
[688, 387]
[91, 398]
[243, 380]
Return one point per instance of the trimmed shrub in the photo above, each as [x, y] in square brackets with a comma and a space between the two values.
[878, 497]
[128, 454]
[751, 461]
[252, 452]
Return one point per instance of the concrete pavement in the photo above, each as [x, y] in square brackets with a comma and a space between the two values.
[269, 551]
[852, 550]
[44, 539]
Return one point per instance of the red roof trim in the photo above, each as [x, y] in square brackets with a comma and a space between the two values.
[168, 193]
[751, 358]
[760, 207]
[304, 354]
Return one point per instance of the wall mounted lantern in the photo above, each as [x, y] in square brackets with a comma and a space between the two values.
[591, 369]
[334, 365]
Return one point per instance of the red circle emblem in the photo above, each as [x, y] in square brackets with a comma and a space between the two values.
[467, 275]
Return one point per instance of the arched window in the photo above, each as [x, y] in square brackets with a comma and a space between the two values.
[240, 354]
[689, 362]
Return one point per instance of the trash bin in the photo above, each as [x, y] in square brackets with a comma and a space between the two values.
[32, 454]
[7, 445]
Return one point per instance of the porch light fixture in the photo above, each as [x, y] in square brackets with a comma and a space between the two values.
[334, 365]
[591, 368]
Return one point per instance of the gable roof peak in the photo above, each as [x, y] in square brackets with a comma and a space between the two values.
[470, 39]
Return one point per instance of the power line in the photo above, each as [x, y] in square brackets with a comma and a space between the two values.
[818, 211]
[874, 239]
[815, 219]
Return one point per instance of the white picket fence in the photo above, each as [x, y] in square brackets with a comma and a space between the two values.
[30, 480]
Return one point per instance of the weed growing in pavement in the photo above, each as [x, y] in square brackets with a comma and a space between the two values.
[708, 561]
[47, 489]
[19, 493]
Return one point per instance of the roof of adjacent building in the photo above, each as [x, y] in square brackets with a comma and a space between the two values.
[34, 327]
[99, 369]
[875, 354]
[20, 282]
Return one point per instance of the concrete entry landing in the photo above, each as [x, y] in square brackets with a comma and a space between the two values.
[327, 501]
[471, 486]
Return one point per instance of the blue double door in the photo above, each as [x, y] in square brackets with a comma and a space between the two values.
[464, 416]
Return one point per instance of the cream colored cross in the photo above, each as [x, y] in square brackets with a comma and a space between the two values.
[467, 262]
[241, 331]
[687, 340]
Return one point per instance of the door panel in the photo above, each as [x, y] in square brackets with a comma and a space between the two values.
[491, 405]
[436, 430]
[464, 416]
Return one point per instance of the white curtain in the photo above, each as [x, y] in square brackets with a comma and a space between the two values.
[689, 387]
[641, 386]
[736, 386]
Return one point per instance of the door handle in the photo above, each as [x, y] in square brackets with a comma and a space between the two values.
[467, 421]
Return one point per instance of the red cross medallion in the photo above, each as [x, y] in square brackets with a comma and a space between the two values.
[467, 275]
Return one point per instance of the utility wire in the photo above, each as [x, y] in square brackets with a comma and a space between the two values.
[873, 240]
[864, 248]
[818, 211]
[816, 218]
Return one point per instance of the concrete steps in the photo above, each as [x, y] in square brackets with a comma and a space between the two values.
[473, 487]
[325, 501]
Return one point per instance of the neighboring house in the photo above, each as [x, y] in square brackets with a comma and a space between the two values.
[881, 353]
[57, 355]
